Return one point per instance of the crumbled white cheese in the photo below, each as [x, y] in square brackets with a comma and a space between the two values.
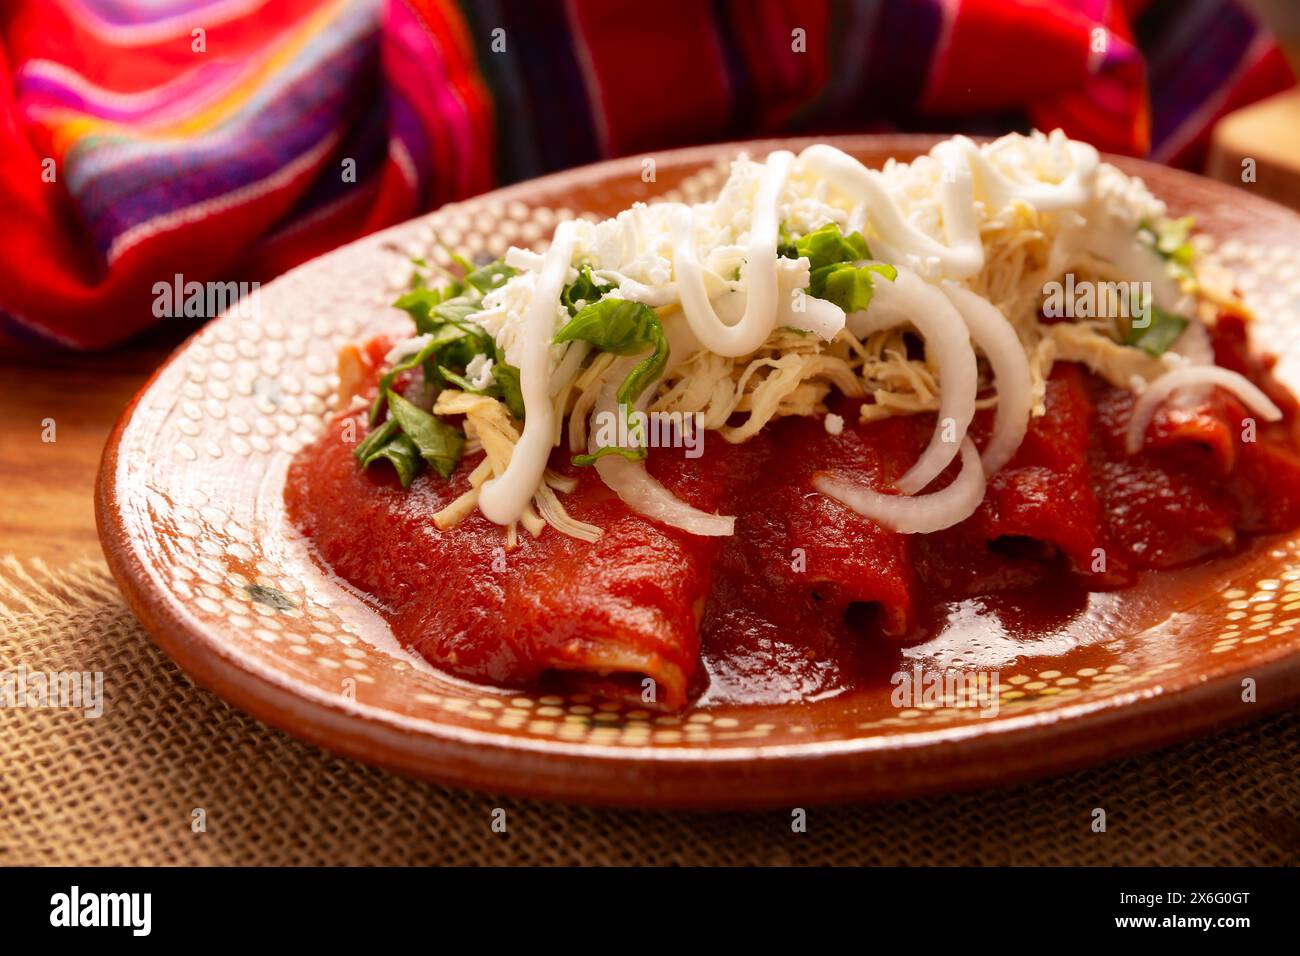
[973, 231]
[1124, 199]
[406, 348]
[633, 250]
[479, 372]
[503, 314]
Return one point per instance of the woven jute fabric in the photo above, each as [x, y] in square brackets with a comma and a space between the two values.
[123, 788]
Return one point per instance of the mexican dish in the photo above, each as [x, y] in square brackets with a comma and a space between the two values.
[759, 439]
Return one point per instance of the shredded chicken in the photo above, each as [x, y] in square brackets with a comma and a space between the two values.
[794, 372]
[488, 422]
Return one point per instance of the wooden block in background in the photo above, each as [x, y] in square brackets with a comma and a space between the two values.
[1269, 133]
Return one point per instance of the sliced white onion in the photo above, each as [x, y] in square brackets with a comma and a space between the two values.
[646, 496]
[1191, 376]
[1001, 346]
[803, 311]
[1193, 347]
[920, 514]
[634, 485]
[909, 299]
[823, 319]
[569, 365]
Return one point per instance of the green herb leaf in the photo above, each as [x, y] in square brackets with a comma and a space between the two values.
[827, 246]
[506, 386]
[631, 454]
[421, 302]
[507, 377]
[623, 328]
[386, 380]
[397, 449]
[455, 311]
[1159, 334]
[454, 302]
[374, 441]
[1171, 240]
[832, 258]
[614, 325]
[444, 314]
[586, 290]
[486, 278]
[437, 442]
[459, 342]
[460, 381]
[411, 436]
[784, 244]
[848, 286]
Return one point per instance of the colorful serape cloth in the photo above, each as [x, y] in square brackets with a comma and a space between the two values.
[233, 139]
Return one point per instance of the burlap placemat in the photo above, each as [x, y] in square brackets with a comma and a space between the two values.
[123, 788]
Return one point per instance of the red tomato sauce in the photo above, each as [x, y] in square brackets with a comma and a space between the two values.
[807, 598]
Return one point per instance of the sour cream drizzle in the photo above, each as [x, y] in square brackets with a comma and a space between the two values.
[759, 319]
[967, 176]
[948, 318]
[504, 498]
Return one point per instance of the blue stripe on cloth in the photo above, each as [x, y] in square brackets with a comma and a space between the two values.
[365, 142]
[1192, 49]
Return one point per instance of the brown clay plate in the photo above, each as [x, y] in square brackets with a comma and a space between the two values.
[192, 521]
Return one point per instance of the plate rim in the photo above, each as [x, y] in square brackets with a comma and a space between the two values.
[1026, 746]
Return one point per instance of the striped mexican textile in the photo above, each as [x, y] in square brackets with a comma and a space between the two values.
[232, 139]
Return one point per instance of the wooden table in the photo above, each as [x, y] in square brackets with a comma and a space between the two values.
[47, 487]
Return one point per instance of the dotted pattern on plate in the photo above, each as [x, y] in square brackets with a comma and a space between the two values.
[251, 391]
